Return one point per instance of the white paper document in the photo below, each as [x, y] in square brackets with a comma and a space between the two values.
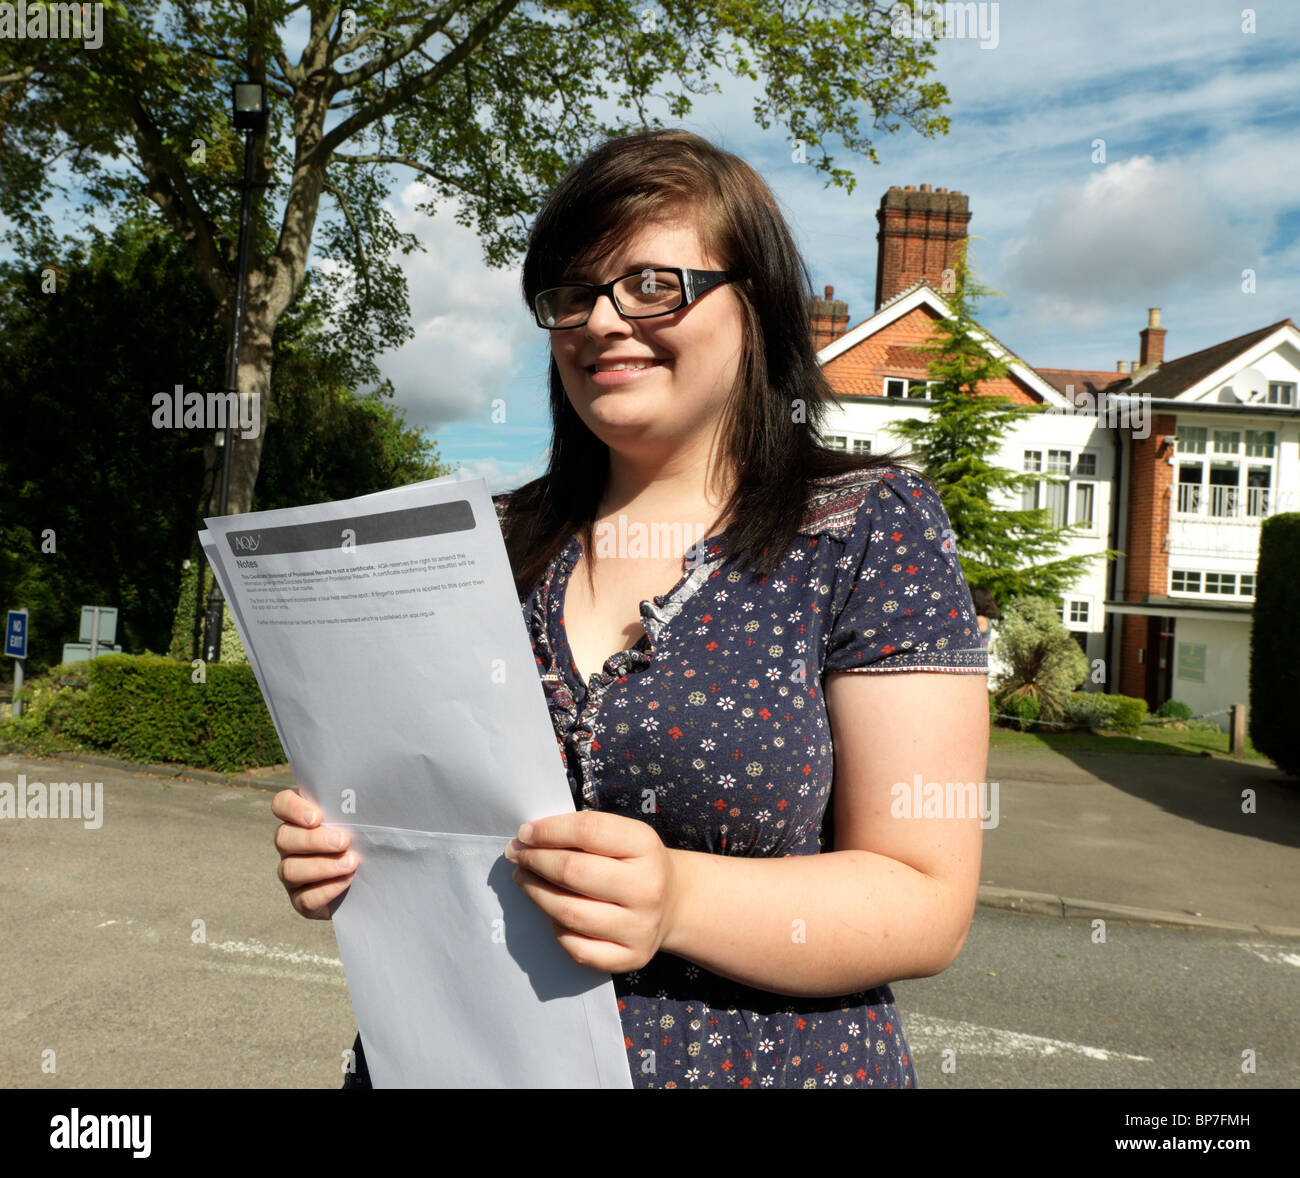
[390, 647]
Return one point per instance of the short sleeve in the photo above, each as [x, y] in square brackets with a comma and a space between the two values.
[901, 600]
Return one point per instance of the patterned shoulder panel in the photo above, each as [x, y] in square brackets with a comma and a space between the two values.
[833, 501]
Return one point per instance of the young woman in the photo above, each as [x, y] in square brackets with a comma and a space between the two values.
[743, 719]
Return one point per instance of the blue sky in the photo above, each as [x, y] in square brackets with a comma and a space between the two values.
[1201, 180]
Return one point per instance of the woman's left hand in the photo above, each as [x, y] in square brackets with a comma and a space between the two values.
[607, 882]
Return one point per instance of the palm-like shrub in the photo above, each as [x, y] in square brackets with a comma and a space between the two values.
[1046, 662]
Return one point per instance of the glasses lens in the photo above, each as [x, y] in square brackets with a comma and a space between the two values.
[652, 292]
[564, 306]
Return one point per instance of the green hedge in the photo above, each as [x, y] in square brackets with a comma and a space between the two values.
[148, 708]
[1274, 669]
[1129, 713]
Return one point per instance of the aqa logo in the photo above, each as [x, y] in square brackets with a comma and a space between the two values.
[248, 542]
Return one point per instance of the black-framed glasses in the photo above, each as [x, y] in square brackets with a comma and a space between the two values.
[641, 294]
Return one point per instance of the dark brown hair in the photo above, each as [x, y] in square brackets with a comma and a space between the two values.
[775, 411]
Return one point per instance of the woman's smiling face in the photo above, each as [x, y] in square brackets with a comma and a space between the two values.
[697, 351]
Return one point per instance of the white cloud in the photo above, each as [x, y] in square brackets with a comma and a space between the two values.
[1134, 230]
[471, 329]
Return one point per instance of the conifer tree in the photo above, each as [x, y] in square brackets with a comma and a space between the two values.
[1012, 552]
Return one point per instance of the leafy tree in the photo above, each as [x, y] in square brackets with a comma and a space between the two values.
[97, 505]
[487, 101]
[1008, 551]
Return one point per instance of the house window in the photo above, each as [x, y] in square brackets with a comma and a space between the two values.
[1189, 487]
[1053, 494]
[1227, 441]
[861, 445]
[836, 442]
[919, 389]
[1259, 443]
[1248, 584]
[895, 387]
[1221, 583]
[1079, 611]
[1186, 582]
[1087, 467]
[1190, 439]
[1083, 504]
[1224, 498]
[1281, 394]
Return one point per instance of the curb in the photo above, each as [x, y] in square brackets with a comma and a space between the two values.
[1070, 908]
[1007, 899]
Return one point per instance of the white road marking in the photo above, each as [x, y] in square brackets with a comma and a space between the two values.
[935, 1034]
[255, 948]
[1270, 953]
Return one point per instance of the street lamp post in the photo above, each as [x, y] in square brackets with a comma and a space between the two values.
[249, 109]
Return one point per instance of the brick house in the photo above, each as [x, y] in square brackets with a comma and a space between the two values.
[1173, 462]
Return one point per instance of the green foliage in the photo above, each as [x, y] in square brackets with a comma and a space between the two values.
[1172, 709]
[1089, 709]
[89, 490]
[1274, 668]
[1129, 714]
[146, 708]
[1046, 662]
[1026, 709]
[1009, 552]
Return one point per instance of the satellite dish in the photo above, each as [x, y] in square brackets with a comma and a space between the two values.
[1249, 385]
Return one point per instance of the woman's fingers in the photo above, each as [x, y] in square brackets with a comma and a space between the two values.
[319, 840]
[313, 902]
[290, 806]
[315, 865]
[296, 870]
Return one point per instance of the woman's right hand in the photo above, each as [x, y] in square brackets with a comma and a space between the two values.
[315, 863]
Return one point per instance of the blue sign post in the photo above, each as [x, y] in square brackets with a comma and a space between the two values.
[16, 649]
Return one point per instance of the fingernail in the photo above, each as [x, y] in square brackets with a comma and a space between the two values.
[337, 839]
[512, 850]
[525, 832]
[348, 862]
[309, 817]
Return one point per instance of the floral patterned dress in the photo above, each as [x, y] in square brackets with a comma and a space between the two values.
[716, 716]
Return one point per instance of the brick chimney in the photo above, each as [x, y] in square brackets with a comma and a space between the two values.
[1153, 340]
[830, 318]
[921, 233]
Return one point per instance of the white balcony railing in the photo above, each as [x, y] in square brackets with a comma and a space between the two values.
[1224, 502]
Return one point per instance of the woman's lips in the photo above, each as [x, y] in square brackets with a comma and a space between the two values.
[624, 375]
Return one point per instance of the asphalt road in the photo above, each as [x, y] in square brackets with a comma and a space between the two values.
[160, 951]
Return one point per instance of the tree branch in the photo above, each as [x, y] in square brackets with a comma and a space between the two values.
[435, 24]
[360, 264]
[418, 83]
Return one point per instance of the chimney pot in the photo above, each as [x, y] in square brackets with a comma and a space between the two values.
[1152, 340]
[1153, 316]
[909, 187]
[1121, 366]
[830, 292]
[941, 190]
[925, 188]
